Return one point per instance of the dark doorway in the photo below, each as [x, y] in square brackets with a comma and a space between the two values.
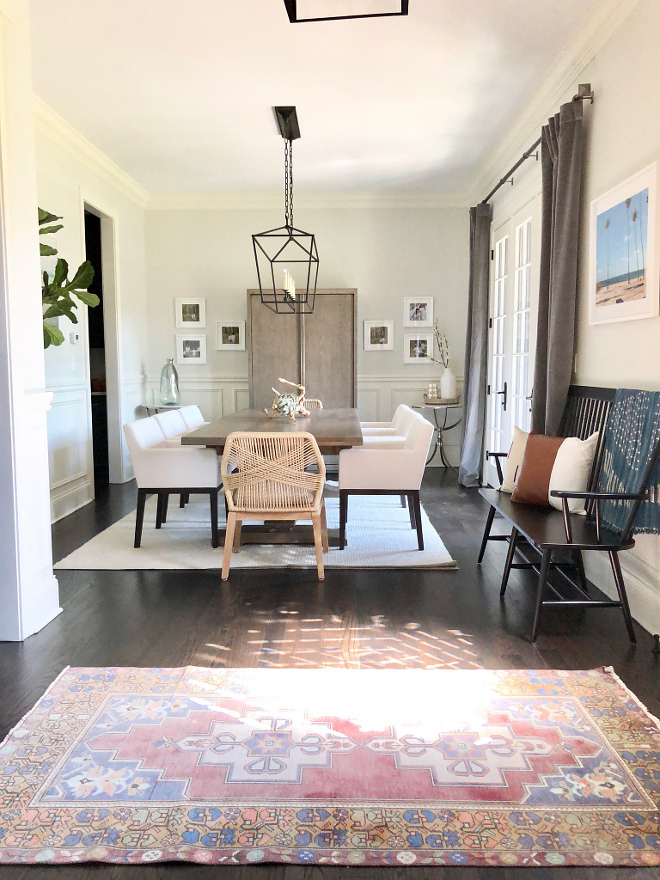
[97, 354]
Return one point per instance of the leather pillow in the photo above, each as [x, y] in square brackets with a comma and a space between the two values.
[533, 483]
[554, 463]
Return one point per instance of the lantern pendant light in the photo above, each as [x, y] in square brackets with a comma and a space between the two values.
[286, 257]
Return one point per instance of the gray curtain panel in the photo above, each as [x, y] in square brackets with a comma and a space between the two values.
[476, 349]
[561, 171]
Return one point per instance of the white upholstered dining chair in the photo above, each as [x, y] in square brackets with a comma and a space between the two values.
[386, 467]
[402, 418]
[265, 477]
[163, 469]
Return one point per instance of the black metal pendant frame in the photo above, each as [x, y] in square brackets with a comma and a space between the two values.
[292, 12]
[269, 254]
[286, 244]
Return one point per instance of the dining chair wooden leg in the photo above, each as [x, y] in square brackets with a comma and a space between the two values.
[621, 590]
[229, 543]
[509, 561]
[139, 516]
[543, 577]
[411, 511]
[164, 505]
[324, 528]
[343, 514]
[237, 536]
[182, 499]
[414, 499]
[404, 499]
[213, 498]
[159, 510]
[484, 540]
[318, 544]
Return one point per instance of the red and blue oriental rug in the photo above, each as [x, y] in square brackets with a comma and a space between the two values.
[333, 766]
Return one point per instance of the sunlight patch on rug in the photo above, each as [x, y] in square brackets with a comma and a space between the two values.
[333, 766]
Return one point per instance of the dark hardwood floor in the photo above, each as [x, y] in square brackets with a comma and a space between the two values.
[381, 619]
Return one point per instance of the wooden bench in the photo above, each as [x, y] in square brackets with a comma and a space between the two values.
[538, 533]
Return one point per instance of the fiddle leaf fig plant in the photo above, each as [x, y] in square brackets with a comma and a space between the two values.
[57, 292]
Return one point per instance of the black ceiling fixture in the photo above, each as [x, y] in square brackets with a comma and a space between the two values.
[287, 250]
[331, 10]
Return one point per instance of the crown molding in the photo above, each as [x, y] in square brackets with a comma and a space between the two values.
[560, 79]
[48, 123]
[308, 200]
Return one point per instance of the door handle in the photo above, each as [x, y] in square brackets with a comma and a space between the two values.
[504, 395]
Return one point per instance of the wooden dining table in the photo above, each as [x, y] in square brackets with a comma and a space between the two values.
[333, 430]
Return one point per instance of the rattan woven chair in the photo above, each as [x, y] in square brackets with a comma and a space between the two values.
[265, 478]
[312, 403]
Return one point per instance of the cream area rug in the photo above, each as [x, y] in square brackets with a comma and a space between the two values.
[378, 534]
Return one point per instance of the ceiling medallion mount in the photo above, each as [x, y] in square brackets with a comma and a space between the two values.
[287, 256]
[331, 10]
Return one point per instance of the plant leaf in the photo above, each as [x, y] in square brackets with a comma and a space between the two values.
[90, 299]
[61, 271]
[45, 250]
[47, 217]
[49, 229]
[52, 335]
[83, 277]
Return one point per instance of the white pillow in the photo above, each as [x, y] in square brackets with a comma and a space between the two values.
[514, 459]
[571, 470]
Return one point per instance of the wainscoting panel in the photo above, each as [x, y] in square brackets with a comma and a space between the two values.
[69, 450]
[378, 397]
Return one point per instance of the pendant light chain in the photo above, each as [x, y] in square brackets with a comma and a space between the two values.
[288, 183]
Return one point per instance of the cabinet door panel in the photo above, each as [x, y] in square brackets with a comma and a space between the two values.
[330, 350]
[274, 351]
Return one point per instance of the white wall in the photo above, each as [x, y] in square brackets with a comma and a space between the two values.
[28, 590]
[387, 252]
[70, 174]
[622, 63]
[624, 138]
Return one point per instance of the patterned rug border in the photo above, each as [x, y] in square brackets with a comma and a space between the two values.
[328, 846]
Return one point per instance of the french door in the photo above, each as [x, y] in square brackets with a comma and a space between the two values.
[512, 329]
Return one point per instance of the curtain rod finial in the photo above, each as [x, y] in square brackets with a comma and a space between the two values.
[584, 93]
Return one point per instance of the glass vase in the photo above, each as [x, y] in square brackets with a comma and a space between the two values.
[169, 385]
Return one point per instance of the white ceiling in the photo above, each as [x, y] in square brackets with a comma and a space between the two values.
[179, 93]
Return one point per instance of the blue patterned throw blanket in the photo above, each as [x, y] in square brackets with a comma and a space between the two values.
[631, 435]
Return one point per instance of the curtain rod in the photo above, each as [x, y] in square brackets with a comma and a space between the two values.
[585, 93]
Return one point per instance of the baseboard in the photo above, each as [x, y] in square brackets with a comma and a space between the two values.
[643, 594]
[69, 496]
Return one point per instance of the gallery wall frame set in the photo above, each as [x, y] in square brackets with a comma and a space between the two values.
[379, 335]
[190, 312]
[623, 250]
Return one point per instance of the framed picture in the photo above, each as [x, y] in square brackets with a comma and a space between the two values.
[623, 270]
[379, 335]
[230, 335]
[191, 348]
[416, 347]
[418, 311]
[190, 312]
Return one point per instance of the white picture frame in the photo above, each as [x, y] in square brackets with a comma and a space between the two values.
[418, 311]
[379, 335]
[623, 248]
[416, 347]
[230, 335]
[190, 312]
[191, 348]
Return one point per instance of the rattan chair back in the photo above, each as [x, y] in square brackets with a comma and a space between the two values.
[312, 403]
[269, 471]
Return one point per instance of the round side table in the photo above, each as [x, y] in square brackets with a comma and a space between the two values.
[440, 427]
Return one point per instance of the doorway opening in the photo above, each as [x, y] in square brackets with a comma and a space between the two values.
[97, 365]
